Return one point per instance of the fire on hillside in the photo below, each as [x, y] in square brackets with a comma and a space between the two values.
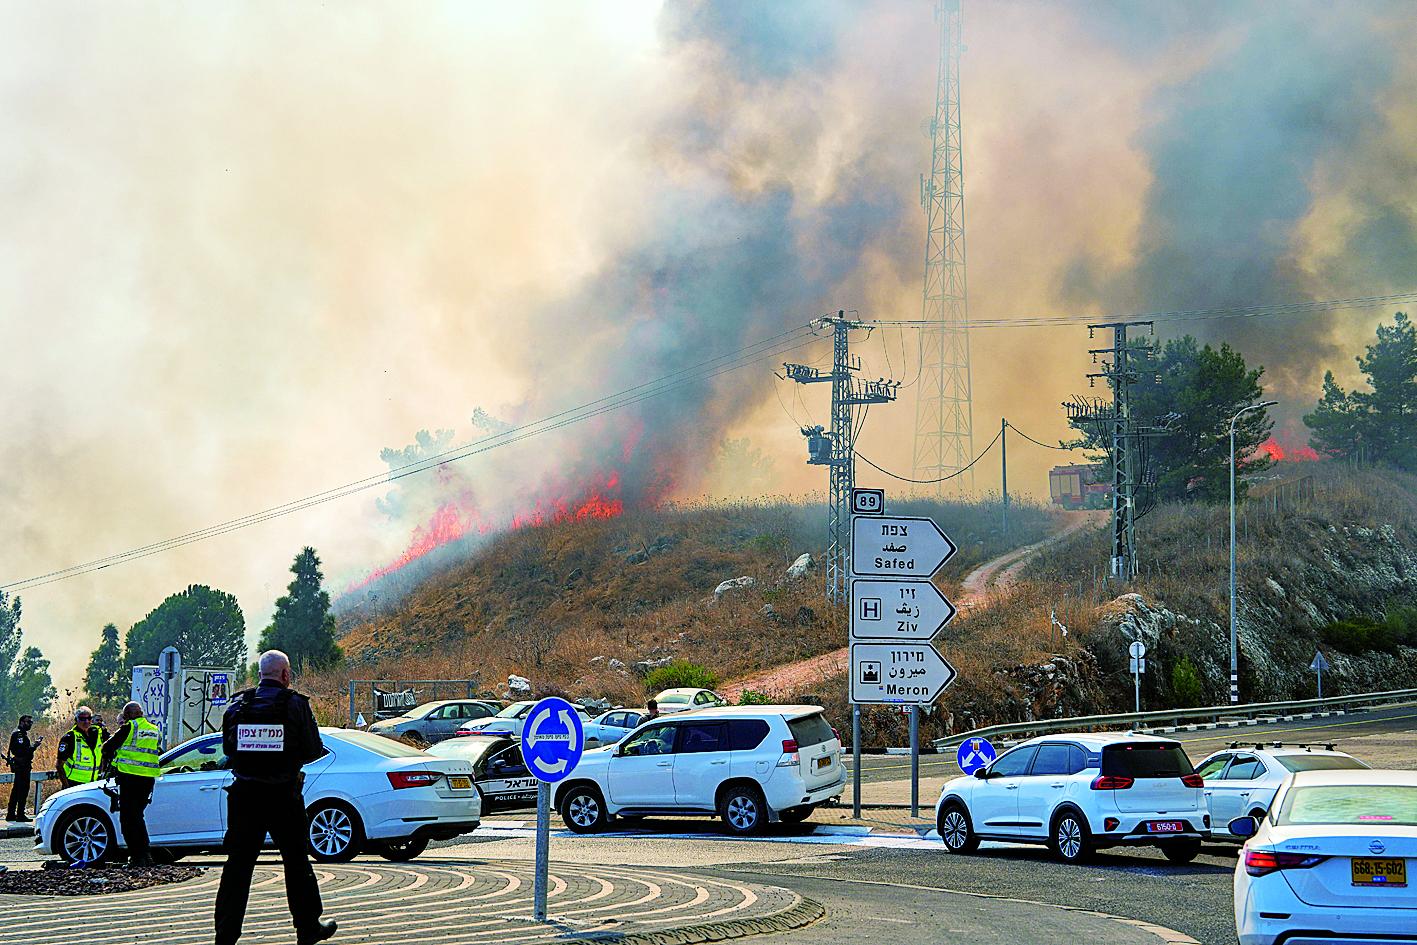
[1288, 454]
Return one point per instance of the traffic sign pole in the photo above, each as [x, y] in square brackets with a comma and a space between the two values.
[552, 742]
[543, 849]
[915, 761]
[856, 761]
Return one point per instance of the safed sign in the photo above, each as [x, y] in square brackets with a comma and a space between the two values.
[885, 546]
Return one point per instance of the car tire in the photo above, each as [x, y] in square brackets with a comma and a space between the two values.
[84, 834]
[401, 851]
[1069, 838]
[956, 830]
[333, 833]
[743, 810]
[1181, 851]
[583, 809]
[795, 815]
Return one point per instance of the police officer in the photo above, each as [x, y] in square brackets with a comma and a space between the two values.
[132, 753]
[21, 760]
[269, 732]
[78, 752]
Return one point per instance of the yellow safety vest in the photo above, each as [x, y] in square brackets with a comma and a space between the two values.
[82, 766]
[139, 752]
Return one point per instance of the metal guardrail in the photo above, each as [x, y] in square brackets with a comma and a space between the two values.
[37, 780]
[1215, 713]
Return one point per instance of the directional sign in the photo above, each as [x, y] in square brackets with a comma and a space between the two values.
[975, 753]
[868, 501]
[898, 610]
[1319, 664]
[552, 739]
[889, 546]
[1137, 665]
[910, 673]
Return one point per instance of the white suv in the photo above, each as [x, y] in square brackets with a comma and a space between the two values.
[1078, 793]
[747, 765]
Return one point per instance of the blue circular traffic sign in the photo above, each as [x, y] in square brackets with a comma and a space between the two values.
[552, 739]
[975, 753]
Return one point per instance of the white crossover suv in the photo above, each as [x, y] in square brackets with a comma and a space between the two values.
[1079, 793]
[1243, 779]
[748, 765]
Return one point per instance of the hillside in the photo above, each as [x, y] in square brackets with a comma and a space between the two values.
[574, 605]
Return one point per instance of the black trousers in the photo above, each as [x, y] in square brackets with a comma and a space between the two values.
[253, 810]
[19, 793]
[135, 792]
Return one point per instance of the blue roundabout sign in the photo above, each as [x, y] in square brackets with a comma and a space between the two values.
[552, 739]
[975, 753]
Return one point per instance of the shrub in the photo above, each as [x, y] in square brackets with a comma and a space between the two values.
[1186, 687]
[753, 697]
[680, 674]
[1359, 635]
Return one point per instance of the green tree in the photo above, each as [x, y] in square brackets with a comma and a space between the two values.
[1186, 687]
[205, 624]
[9, 649]
[105, 681]
[25, 686]
[1380, 423]
[303, 626]
[1335, 426]
[1206, 386]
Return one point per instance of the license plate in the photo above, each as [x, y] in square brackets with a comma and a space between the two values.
[1165, 826]
[1373, 872]
[460, 783]
[824, 762]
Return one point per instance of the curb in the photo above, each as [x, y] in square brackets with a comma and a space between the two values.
[1238, 723]
[803, 914]
[16, 831]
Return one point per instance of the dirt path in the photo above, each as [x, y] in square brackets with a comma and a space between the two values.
[988, 579]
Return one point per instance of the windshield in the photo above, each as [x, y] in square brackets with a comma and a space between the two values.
[514, 710]
[674, 698]
[466, 749]
[1358, 804]
[1319, 762]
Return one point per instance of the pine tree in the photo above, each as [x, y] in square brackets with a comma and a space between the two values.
[205, 624]
[303, 626]
[105, 681]
[1379, 424]
[1335, 426]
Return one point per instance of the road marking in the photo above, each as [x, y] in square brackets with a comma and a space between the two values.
[1310, 728]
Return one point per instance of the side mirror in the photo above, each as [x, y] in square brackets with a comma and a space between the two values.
[1244, 826]
[982, 774]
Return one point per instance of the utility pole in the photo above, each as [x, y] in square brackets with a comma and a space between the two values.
[1004, 468]
[837, 449]
[944, 408]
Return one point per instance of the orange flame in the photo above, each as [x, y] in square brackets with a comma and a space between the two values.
[1293, 454]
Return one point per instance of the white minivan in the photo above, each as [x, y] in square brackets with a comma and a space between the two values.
[748, 765]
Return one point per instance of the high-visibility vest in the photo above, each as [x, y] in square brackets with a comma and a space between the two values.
[82, 766]
[139, 752]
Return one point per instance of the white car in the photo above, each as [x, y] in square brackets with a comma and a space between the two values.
[509, 721]
[366, 793]
[612, 726]
[747, 765]
[1242, 780]
[682, 700]
[1079, 793]
[1331, 861]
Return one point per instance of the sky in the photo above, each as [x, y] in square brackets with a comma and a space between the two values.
[248, 249]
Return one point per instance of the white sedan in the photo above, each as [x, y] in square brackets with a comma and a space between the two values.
[1330, 863]
[367, 793]
[1242, 779]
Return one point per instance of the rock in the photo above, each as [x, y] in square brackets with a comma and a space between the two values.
[596, 659]
[595, 706]
[639, 557]
[733, 585]
[518, 686]
[770, 612]
[801, 567]
[805, 616]
[645, 667]
[617, 665]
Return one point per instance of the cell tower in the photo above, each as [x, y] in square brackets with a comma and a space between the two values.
[944, 410]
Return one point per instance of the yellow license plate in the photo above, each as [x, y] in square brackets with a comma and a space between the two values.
[1374, 872]
[460, 783]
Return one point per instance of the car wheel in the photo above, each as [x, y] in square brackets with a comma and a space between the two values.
[795, 815]
[334, 833]
[583, 809]
[743, 810]
[84, 835]
[1069, 839]
[1181, 851]
[956, 832]
[401, 851]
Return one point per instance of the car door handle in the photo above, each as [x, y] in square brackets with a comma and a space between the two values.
[718, 762]
[1056, 784]
[211, 787]
[663, 764]
[1010, 787]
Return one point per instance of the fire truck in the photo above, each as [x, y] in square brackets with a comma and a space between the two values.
[1080, 487]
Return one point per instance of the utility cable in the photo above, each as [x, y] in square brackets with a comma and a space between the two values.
[1046, 446]
[928, 482]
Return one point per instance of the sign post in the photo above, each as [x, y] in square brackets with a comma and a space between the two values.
[552, 742]
[1137, 651]
[1319, 665]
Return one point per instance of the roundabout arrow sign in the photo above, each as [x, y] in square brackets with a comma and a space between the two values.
[552, 739]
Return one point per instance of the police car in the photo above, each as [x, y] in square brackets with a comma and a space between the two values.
[366, 794]
[498, 770]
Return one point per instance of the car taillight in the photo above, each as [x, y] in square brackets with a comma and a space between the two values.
[1111, 782]
[1193, 780]
[1263, 862]
[789, 754]
[408, 779]
[835, 733]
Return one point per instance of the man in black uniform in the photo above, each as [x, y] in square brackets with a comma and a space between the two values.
[21, 754]
[268, 733]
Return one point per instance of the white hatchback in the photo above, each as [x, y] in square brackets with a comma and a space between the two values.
[1331, 862]
[749, 765]
[1243, 779]
[1078, 793]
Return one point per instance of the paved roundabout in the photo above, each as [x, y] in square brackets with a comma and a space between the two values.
[457, 900]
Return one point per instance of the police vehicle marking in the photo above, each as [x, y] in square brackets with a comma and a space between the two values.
[266, 737]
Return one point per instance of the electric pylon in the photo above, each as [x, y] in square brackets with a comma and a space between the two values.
[944, 409]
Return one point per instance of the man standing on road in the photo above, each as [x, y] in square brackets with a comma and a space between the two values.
[269, 733]
[653, 712]
[132, 753]
[21, 752]
[78, 751]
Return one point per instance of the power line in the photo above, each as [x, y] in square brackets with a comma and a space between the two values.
[1046, 446]
[757, 352]
[927, 482]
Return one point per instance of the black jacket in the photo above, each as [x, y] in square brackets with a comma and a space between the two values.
[21, 751]
[301, 734]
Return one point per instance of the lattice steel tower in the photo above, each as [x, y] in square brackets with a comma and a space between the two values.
[944, 410]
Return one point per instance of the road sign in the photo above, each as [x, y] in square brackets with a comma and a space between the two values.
[1137, 650]
[1319, 664]
[911, 673]
[552, 739]
[868, 502]
[897, 547]
[1138, 665]
[898, 610]
[975, 753]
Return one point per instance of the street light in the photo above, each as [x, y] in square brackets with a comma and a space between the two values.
[1234, 648]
